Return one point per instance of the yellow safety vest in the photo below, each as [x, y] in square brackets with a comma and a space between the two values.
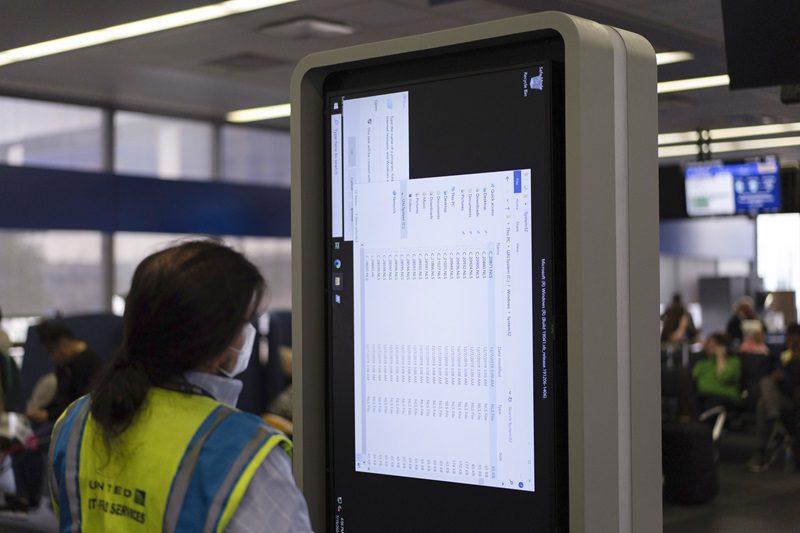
[183, 465]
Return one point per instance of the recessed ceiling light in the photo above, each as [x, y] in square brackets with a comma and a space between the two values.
[260, 113]
[135, 29]
[678, 137]
[307, 28]
[678, 150]
[754, 131]
[692, 84]
[667, 58]
[754, 144]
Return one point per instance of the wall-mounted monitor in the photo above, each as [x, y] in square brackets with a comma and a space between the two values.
[716, 188]
[761, 44]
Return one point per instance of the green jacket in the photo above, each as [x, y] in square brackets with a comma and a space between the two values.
[725, 385]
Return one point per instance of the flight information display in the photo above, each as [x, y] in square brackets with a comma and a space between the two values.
[715, 188]
[443, 245]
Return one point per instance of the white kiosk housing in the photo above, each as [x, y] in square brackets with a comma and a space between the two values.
[612, 445]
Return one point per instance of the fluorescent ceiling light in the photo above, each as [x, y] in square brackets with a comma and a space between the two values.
[678, 137]
[666, 58]
[753, 131]
[754, 144]
[678, 150]
[135, 29]
[307, 28]
[260, 113]
[692, 84]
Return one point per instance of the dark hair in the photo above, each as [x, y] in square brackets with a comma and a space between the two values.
[793, 330]
[186, 305]
[720, 338]
[50, 332]
[672, 319]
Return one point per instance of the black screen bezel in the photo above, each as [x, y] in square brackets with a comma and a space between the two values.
[455, 61]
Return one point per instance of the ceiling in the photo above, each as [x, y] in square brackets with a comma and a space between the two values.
[178, 72]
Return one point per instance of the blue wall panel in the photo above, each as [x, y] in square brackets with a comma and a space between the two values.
[32, 198]
[710, 238]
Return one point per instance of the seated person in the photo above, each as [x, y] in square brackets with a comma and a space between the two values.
[76, 366]
[753, 338]
[779, 402]
[717, 376]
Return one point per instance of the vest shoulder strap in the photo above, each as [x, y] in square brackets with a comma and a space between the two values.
[64, 464]
[229, 456]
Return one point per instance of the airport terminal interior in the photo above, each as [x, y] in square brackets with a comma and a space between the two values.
[130, 126]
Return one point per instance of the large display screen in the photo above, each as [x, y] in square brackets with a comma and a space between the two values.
[445, 281]
[715, 188]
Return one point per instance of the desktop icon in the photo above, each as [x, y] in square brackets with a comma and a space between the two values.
[337, 264]
[337, 298]
[537, 82]
[338, 281]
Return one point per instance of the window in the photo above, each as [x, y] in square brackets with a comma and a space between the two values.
[779, 251]
[131, 248]
[45, 272]
[272, 256]
[47, 134]
[162, 147]
[257, 156]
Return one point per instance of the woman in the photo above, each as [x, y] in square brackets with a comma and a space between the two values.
[718, 375]
[158, 445]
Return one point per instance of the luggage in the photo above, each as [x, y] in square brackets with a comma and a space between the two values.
[689, 463]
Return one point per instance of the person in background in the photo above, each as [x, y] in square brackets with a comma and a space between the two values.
[76, 367]
[5, 341]
[9, 373]
[743, 310]
[678, 325]
[160, 424]
[753, 338]
[717, 376]
[779, 402]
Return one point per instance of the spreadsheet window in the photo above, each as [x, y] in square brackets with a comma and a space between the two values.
[443, 307]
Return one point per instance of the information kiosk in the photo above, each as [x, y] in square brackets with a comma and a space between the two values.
[475, 252]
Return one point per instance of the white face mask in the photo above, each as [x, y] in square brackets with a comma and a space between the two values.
[243, 356]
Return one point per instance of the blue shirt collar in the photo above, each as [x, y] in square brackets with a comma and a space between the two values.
[225, 390]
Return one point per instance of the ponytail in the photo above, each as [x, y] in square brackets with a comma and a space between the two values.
[119, 392]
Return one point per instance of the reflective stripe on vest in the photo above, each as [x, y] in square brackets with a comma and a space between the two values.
[196, 458]
[63, 467]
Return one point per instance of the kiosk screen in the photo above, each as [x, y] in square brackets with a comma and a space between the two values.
[445, 273]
